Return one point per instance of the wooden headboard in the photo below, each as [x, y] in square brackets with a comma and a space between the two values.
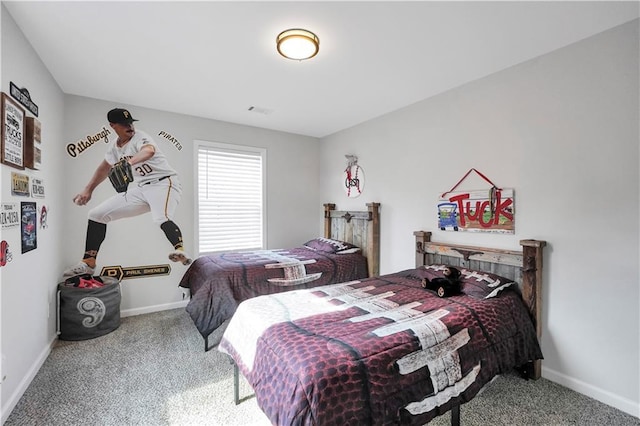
[361, 228]
[522, 266]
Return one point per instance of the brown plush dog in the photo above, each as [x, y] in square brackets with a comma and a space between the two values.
[444, 287]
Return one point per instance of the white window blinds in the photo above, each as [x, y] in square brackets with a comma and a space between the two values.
[230, 188]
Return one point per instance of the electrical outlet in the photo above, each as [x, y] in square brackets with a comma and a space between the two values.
[186, 293]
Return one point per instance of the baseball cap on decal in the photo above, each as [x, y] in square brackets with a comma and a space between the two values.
[120, 116]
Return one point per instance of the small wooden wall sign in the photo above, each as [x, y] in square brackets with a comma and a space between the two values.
[32, 144]
[490, 210]
[19, 184]
[12, 132]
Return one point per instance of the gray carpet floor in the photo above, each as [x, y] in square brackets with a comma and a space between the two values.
[153, 370]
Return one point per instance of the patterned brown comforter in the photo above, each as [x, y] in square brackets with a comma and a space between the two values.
[380, 351]
[218, 283]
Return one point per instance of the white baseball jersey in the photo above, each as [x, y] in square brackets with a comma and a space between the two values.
[148, 192]
[153, 169]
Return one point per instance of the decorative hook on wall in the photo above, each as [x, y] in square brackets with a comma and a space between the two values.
[354, 177]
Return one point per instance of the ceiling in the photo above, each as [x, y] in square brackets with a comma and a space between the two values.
[218, 59]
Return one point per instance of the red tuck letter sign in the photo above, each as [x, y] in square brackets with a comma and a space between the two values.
[489, 210]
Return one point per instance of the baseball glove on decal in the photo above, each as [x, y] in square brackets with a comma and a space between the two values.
[121, 175]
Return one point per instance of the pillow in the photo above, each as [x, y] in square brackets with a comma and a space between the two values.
[327, 245]
[349, 251]
[478, 284]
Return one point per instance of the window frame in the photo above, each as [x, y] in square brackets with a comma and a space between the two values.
[226, 147]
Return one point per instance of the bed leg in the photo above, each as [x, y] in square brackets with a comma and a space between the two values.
[455, 415]
[529, 370]
[236, 384]
[216, 342]
[207, 348]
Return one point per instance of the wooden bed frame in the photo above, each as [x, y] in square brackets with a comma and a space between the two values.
[360, 228]
[523, 267]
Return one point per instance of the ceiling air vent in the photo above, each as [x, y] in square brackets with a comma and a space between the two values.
[260, 110]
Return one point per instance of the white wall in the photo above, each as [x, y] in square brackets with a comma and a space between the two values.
[28, 282]
[562, 130]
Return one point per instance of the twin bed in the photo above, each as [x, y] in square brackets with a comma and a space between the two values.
[384, 350]
[349, 250]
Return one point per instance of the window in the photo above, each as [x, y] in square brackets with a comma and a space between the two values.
[230, 193]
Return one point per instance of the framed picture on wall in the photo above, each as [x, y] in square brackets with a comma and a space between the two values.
[29, 228]
[32, 144]
[12, 133]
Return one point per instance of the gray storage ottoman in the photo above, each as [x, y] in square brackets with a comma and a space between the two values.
[86, 313]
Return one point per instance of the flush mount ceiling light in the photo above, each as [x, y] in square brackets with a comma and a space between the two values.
[298, 44]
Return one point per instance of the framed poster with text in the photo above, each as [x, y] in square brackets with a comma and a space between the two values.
[12, 133]
[28, 223]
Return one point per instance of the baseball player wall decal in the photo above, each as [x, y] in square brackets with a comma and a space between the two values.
[155, 188]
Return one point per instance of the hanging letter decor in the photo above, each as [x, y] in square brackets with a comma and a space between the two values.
[491, 210]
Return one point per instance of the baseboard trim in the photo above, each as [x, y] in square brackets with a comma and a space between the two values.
[26, 380]
[606, 397]
[154, 308]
